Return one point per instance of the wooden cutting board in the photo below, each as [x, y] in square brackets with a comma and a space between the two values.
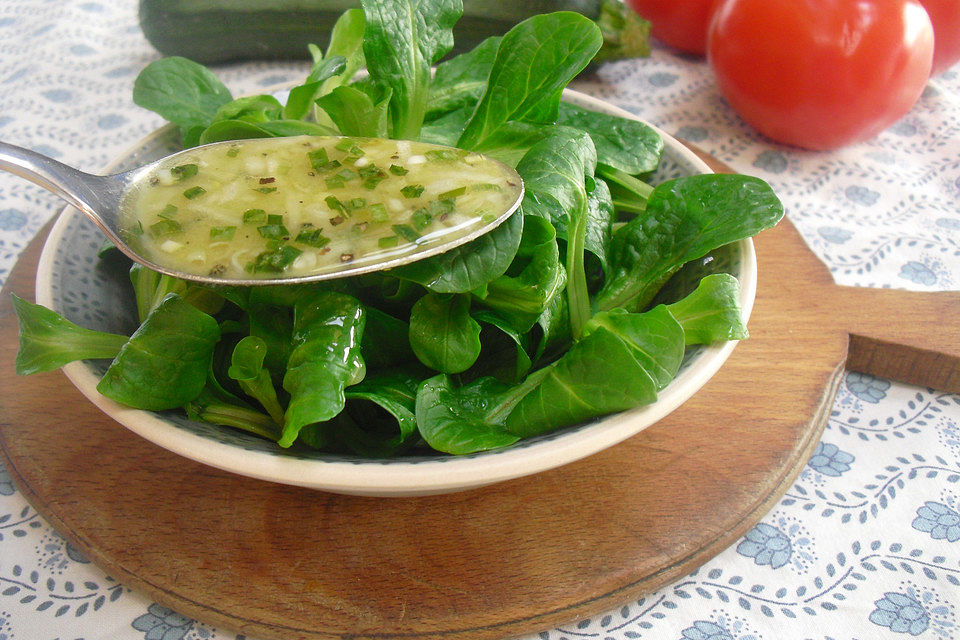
[274, 561]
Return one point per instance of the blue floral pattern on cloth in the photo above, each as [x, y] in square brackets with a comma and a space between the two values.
[829, 460]
[160, 623]
[900, 613]
[767, 545]
[706, 630]
[866, 541]
[939, 520]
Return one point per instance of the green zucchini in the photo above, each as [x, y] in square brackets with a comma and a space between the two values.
[219, 31]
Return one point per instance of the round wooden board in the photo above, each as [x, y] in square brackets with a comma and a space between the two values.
[274, 561]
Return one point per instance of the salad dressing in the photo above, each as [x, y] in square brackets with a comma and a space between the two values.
[303, 206]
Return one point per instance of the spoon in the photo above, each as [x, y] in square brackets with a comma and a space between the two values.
[286, 210]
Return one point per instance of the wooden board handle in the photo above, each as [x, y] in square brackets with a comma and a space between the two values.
[891, 336]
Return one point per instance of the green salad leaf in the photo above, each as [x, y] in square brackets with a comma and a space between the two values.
[325, 360]
[48, 340]
[164, 363]
[403, 40]
[566, 312]
[535, 61]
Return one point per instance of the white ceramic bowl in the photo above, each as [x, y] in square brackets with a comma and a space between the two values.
[94, 294]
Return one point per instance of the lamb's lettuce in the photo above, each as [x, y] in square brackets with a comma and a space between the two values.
[247, 368]
[558, 170]
[621, 362]
[556, 317]
[48, 340]
[535, 61]
[403, 40]
[443, 335]
[685, 218]
[520, 299]
[325, 360]
[164, 363]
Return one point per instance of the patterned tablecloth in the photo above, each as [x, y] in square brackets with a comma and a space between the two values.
[866, 543]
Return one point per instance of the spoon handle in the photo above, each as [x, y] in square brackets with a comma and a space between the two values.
[91, 194]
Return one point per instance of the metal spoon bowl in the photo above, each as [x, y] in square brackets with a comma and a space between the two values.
[100, 198]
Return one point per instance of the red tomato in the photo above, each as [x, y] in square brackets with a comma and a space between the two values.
[682, 24]
[821, 74]
[945, 16]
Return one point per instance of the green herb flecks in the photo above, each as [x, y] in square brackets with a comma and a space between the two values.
[254, 216]
[222, 234]
[165, 229]
[406, 232]
[184, 171]
[312, 238]
[275, 260]
[412, 191]
[194, 192]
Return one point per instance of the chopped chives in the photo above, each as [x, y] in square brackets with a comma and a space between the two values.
[453, 193]
[321, 162]
[275, 260]
[334, 203]
[318, 158]
[266, 189]
[184, 171]
[254, 216]
[371, 176]
[387, 242]
[421, 219]
[313, 238]
[165, 228]
[442, 207]
[442, 155]
[274, 218]
[349, 146]
[356, 203]
[233, 152]
[347, 174]
[370, 170]
[485, 186]
[194, 192]
[412, 191]
[397, 170]
[273, 232]
[168, 212]
[222, 234]
[335, 182]
[406, 232]
[378, 213]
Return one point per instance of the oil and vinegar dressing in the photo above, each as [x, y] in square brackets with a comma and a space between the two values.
[305, 206]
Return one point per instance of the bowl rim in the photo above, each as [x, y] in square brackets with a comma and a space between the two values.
[423, 476]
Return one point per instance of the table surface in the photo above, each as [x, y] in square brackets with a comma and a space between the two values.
[865, 544]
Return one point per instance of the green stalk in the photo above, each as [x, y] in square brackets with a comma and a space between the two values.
[578, 296]
[245, 419]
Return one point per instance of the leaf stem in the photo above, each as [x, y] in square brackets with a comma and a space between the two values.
[245, 419]
[578, 297]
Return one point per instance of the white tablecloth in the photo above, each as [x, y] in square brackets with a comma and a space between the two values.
[866, 543]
